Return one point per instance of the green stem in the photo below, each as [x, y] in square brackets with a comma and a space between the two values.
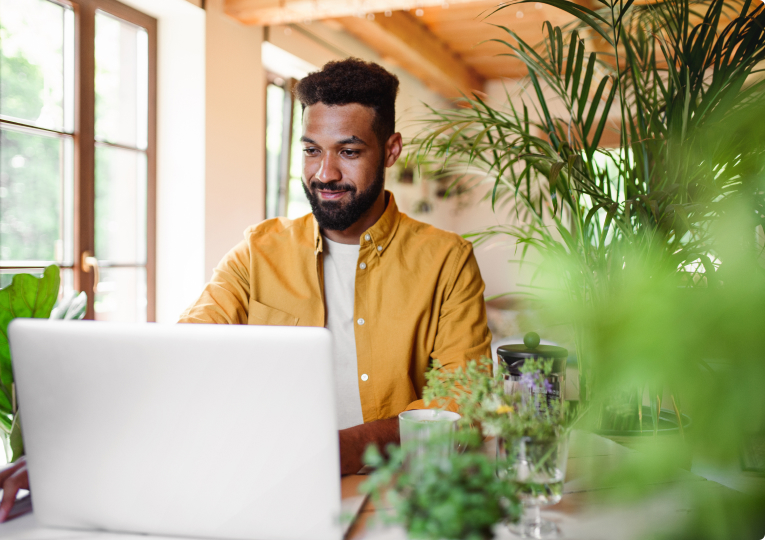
[623, 123]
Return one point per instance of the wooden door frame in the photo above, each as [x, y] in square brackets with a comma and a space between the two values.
[84, 143]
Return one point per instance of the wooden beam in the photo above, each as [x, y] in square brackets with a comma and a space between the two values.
[273, 12]
[409, 44]
[496, 67]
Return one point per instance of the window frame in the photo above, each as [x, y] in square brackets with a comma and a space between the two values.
[285, 155]
[84, 146]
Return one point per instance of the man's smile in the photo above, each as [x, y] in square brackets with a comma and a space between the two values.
[331, 195]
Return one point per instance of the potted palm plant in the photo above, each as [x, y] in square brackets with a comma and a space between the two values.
[678, 82]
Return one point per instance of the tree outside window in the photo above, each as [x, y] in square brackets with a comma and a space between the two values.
[77, 149]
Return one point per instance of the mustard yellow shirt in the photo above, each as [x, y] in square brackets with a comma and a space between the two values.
[418, 297]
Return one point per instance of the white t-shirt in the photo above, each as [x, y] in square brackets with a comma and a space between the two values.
[340, 262]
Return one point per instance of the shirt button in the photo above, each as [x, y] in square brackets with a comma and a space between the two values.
[360, 321]
[365, 377]
[362, 266]
[380, 248]
[367, 237]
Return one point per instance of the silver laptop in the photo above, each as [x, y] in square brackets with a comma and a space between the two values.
[190, 430]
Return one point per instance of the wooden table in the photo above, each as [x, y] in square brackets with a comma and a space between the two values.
[590, 508]
[593, 507]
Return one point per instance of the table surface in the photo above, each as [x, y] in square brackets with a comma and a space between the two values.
[590, 508]
[593, 506]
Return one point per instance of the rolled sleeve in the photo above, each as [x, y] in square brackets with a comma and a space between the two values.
[225, 298]
[462, 334]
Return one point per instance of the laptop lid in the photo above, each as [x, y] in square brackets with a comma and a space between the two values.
[192, 430]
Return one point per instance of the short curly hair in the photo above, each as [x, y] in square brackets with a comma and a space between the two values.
[354, 81]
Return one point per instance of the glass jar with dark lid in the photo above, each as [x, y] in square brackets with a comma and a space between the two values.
[513, 357]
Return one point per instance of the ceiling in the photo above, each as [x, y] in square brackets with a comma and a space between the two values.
[465, 28]
[438, 41]
[445, 43]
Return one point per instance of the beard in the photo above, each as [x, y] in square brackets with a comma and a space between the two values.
[339, 215]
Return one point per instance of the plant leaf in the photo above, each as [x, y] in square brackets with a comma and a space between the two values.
[27, 296]
[586, 15]
[15, 440]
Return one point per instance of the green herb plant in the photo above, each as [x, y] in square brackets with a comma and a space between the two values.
[531, 430]
[457, 497]
[481, 398]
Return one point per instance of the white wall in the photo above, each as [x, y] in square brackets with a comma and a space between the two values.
[235, 148]
[210, 144]
[180, 152]
[499, 257]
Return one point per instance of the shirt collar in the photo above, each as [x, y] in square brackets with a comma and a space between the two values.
[379, 235]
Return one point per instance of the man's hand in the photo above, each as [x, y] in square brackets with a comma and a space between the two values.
[12, 478]
[354, 441]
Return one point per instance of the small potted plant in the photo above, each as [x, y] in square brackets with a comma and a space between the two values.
[531, 430]
[460, 497]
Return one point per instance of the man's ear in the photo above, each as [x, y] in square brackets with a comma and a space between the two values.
[393, 149]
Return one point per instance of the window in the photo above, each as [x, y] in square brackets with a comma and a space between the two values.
[284, 164]
[77, 156]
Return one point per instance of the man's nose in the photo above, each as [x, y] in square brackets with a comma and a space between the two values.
[328, 170]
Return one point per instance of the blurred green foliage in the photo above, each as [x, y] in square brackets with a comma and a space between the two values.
[460, 497]
[30, 180]
[21, 85]
[706, 343]
[30, 168]
[652, 252]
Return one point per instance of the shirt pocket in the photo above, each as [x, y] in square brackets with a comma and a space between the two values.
[260, 314]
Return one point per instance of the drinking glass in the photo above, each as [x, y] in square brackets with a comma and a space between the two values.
[426, 435]
[538, 468]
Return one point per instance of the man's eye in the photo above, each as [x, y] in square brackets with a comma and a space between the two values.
[310, 151]
[348, 153]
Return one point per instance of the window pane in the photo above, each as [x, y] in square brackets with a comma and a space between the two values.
[275, 97]
[121, 295]
[67, 283]
[122, 71]
[297, 204]
[120, 205]
[35, 197]
[6, 277]
[36, 39]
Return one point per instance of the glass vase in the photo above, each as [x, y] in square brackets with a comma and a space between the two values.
[538, 468]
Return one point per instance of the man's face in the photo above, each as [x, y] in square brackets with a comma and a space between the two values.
[343, 163]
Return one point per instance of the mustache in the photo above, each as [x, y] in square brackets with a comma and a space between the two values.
[315, 185]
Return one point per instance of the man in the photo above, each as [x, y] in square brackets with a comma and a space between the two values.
[394, 292]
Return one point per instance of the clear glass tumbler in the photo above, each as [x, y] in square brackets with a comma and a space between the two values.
[538, 468]
[426, 435]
